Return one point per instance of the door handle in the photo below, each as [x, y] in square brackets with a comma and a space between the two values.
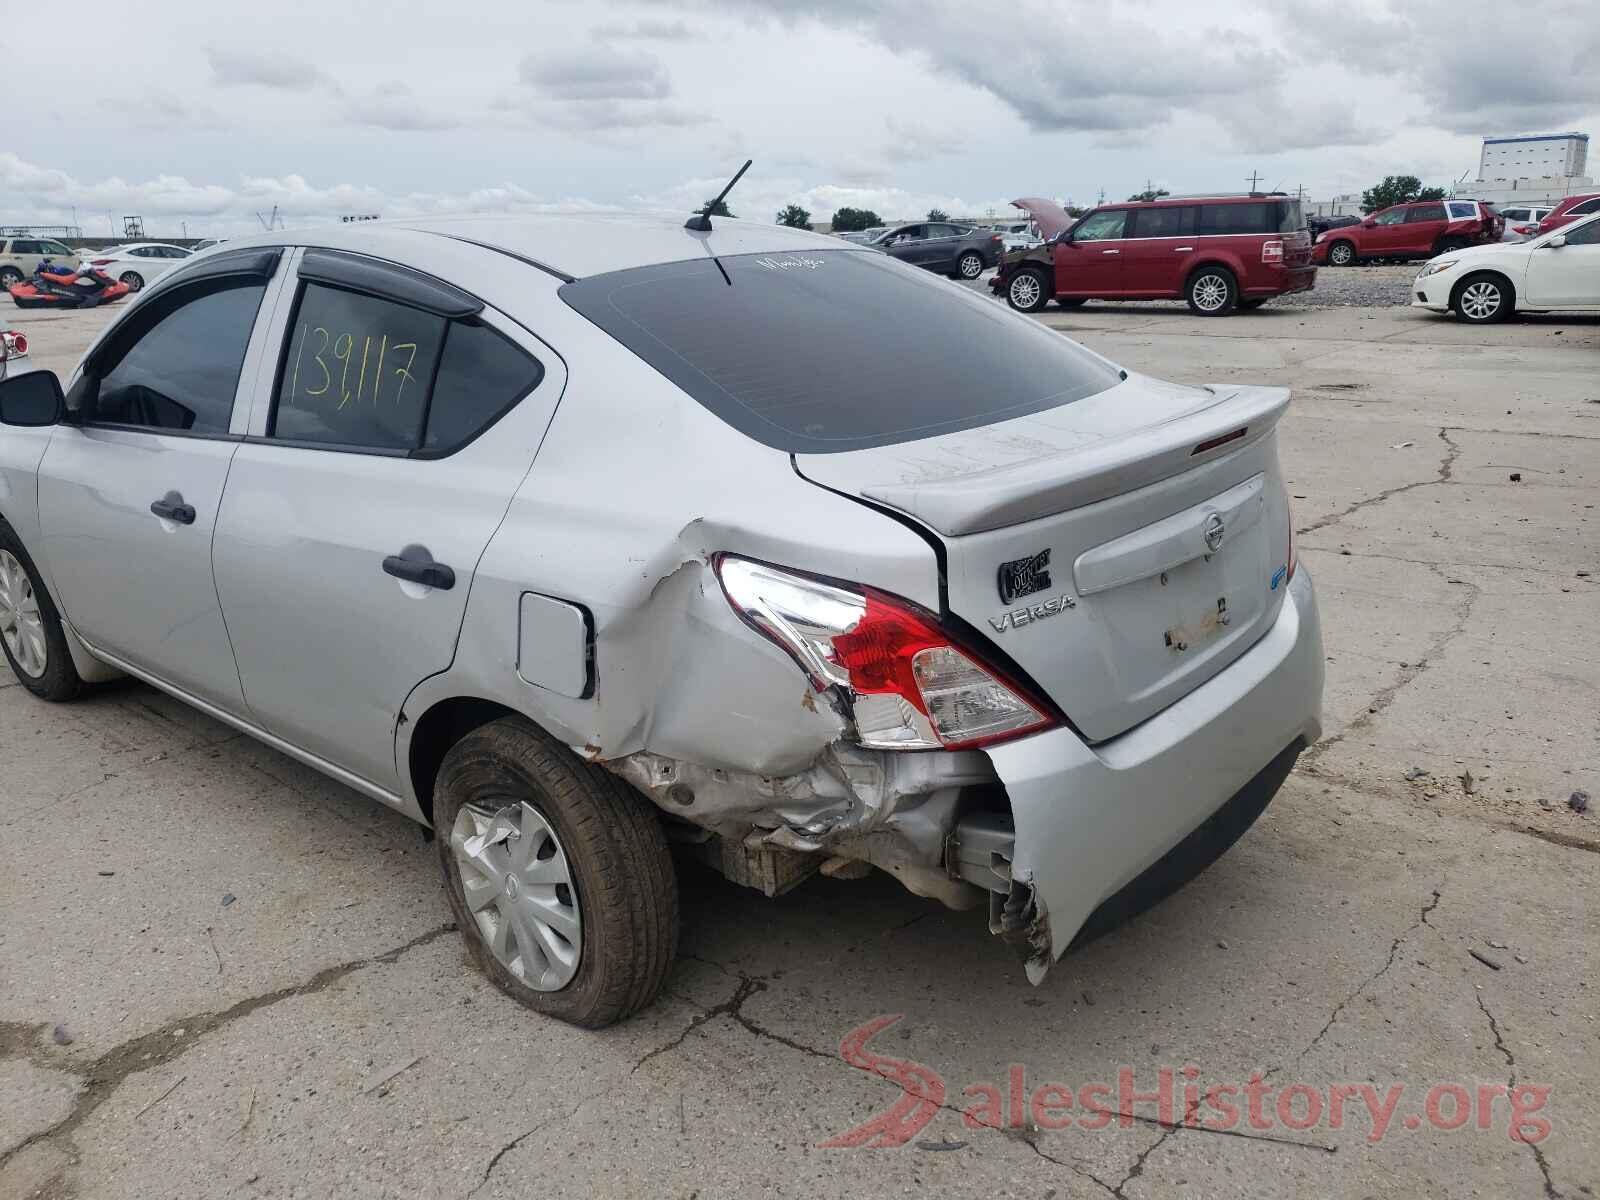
[172, 508]
[1111, 252]
[1181, 249]
[420, 570]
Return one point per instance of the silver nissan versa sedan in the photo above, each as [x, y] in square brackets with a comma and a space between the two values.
[579, 538]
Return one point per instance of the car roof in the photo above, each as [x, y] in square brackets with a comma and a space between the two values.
[573, 244]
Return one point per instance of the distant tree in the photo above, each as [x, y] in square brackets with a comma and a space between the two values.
[1150, 194]
[795, 217]
[1397, 189]
[718, 209]
[1075, 212]
[849, 220]
[938, 214]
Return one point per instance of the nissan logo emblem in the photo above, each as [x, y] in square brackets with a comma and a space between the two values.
[1215, 531]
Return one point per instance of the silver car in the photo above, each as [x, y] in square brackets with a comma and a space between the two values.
[582, 537]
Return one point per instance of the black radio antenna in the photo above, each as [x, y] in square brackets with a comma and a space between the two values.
[701, 221]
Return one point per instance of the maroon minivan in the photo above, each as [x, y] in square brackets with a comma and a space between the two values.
[1218, 252]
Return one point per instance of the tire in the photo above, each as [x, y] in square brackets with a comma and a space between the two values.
[601, 835]
[1342, 254]
[1484, 299]
[1028, 291]
[1212, 291]
[133, 279]
[1072, 301]
[10, 277]
[1449, 245]
[969, 265]
[1253, 304]
[23, 594]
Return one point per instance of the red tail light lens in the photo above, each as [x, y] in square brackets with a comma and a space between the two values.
[1272, 251]
[19, 343]
[908, 684]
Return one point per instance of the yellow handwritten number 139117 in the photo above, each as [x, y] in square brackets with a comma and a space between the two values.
[343, 353]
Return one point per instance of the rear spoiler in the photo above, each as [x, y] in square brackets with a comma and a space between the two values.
[1072, 478]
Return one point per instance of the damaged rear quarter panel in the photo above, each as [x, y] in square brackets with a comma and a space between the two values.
[634, 488]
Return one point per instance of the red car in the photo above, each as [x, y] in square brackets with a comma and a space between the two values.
[1421, 229]
[1217, 252]
[1569, 210]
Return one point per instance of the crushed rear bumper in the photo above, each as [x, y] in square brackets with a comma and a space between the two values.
[1094, 826]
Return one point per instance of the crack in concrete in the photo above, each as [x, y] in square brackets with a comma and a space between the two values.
[1338, 1009]
[103, 1075]
[1445, 474]
[1511, 1082]
[548, 1123]
[1408, 674]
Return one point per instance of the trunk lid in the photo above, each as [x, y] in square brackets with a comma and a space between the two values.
[1076, 539]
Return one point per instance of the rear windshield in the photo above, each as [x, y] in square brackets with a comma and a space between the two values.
[1289, 218]
[832, 350]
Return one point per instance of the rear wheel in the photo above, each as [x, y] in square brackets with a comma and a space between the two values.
[1449, 245]
[10, 277]
[133, 279]
[1483, 299]
[970, 265]
[1212, 291]
[1027, 291]
[558, 874]
[31, 635]
[1342, 254]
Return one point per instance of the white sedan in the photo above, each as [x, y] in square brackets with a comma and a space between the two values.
[139, 263]
[1482, 284]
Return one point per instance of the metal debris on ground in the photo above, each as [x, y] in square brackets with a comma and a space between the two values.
[1469, 785]
[228, 898]
[1484, 959]
[1578, 802]
[941, 1145]
[60, 1036]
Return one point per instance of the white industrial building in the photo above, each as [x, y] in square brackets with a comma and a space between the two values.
[1531, 170]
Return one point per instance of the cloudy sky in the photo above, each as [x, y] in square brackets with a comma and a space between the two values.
[203, 114]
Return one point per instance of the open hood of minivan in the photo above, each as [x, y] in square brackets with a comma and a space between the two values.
[1049, 216]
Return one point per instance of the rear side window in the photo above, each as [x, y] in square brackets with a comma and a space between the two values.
[1256, 217]
[365, 372]
[1427, 212]
[175, 365]
[1170, 221]
[831, 350]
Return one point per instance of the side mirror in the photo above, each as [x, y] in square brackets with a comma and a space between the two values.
[33, 399]
[1556, 242]
[1062, 238]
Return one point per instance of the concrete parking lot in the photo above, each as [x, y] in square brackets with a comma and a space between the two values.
[223, 975]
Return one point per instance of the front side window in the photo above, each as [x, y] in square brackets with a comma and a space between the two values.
[832, 350]
[1102, 226]
[1588, 206]
[370, 373]
[176, 365]
[1585, 235]
[55, 248]
[1391, 216]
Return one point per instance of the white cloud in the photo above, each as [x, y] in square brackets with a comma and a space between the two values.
[262, 68]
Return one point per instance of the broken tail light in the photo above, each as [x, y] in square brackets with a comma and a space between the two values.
[909, 683]
[1272, 251]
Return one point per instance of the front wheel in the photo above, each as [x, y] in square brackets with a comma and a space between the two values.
[10, 277]
[969, 265]
[1483, 299]
[1341, 254]
[31, 635]
[1027, 291]
[1212, 292]
[133, 279]
[558, 874]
